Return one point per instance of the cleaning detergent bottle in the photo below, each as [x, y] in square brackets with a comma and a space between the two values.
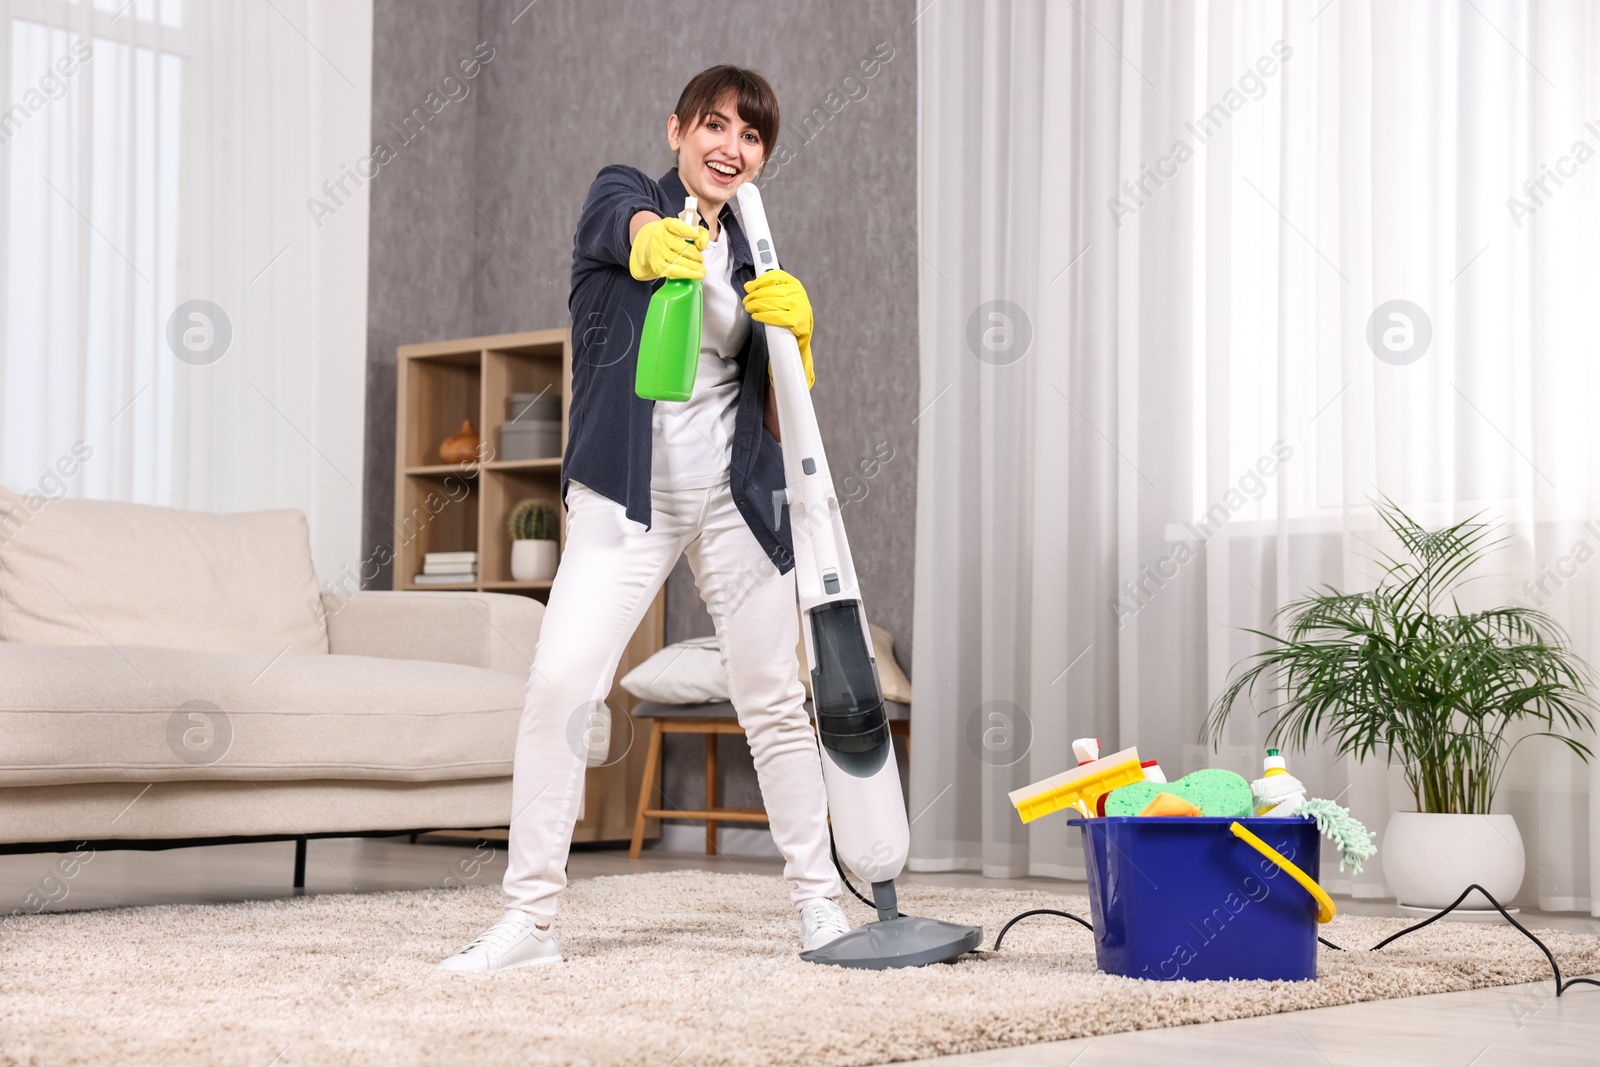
[669, 344]
[1277, 793]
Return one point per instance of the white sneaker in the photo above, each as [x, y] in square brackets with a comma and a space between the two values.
[514, 941]
[821, 920]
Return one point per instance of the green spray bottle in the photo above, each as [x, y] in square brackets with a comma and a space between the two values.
[669, 344]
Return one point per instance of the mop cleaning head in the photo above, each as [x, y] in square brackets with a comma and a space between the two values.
[1218, 793]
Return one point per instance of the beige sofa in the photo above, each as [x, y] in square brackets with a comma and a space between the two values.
[171, 675]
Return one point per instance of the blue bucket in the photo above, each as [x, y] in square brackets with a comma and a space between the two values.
[1187, 898]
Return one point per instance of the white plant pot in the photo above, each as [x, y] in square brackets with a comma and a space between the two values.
[533, 560]
[1429, 859]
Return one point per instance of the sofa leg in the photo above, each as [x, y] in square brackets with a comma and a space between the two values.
[299, 865]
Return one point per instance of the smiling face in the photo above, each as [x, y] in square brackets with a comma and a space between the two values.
[716, 155]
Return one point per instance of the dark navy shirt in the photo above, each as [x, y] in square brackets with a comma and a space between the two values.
[608, 435]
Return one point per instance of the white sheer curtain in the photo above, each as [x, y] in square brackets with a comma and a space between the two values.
[1176, 422]
[161, 152]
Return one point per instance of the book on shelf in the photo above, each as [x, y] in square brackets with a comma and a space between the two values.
[468, 578]
[450, 557]
[464, 567]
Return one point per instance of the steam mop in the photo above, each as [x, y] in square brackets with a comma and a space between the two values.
[859, 772]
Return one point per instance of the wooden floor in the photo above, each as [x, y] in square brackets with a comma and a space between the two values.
[1485, 1028]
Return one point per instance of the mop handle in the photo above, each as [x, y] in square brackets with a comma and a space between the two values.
[753, 217]
[795, 414]
[1325, 907]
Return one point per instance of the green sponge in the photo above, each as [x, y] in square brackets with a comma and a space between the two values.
[1216, 792]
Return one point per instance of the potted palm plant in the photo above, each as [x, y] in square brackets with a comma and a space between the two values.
[534, 528]
[1447, 694]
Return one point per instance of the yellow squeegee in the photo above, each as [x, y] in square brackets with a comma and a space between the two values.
[1080, 788]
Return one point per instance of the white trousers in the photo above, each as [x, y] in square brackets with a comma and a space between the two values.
[610, 572]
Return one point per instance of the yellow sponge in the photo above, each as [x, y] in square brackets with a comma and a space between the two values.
[1170, 804]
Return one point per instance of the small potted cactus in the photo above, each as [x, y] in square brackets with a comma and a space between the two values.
[534, 527]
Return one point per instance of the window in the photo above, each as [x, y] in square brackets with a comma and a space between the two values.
[90, 128]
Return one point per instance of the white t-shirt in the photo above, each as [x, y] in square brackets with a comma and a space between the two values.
[691, 443]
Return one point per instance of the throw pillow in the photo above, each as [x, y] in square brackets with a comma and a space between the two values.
[687, 672]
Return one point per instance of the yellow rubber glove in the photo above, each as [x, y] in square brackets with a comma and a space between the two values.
[778, 299]
[668, 248]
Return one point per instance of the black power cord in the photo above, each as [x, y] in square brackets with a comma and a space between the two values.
[1561, 986]
[833, 849]
[1015, 919]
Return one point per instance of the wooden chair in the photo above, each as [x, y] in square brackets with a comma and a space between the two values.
[711, 720]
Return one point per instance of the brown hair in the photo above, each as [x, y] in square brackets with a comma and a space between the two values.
[757, 103]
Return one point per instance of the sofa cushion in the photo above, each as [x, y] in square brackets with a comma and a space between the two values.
[95, 713]
[97, 572]
[229, 809]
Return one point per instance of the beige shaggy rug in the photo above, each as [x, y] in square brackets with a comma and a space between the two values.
[681, 968]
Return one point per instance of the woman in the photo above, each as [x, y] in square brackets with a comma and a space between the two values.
[645, 482]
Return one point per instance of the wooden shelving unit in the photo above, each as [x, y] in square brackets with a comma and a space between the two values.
[448, 507]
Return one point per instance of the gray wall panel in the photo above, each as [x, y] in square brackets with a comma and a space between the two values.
[423, 233]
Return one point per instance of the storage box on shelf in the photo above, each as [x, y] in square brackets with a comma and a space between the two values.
[532, 427]
[464, 507]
